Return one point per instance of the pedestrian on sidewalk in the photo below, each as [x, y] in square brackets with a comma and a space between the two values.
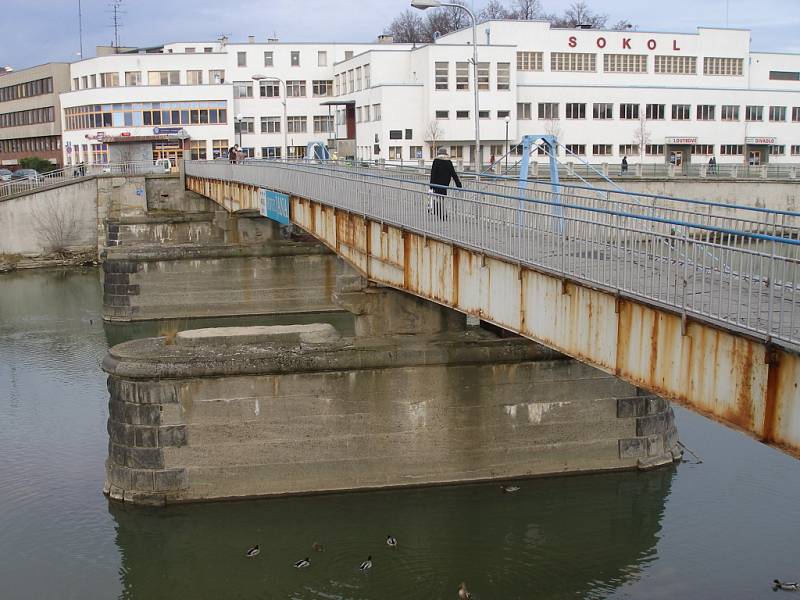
[442, 172]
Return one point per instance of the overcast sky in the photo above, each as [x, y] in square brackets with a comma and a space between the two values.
[39, 31]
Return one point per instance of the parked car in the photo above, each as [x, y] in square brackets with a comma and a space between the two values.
[29, 174]
[5, 175]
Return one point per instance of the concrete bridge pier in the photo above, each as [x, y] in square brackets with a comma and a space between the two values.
[416, 398]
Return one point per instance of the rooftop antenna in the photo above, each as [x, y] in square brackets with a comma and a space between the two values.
[116, 19]
[80, 27]
[223, 39]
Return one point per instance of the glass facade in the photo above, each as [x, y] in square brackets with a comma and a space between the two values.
[146, 114]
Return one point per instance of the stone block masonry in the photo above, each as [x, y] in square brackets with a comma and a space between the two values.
[250, 412]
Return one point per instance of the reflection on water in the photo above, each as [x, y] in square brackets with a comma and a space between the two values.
[722, 529]
[569, 537]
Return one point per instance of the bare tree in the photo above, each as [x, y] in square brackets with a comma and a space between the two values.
[444, 20]
[408, 28]
[623, 25]
[56, 222]
[526, 10]
[434, 134]
[552, 127]
[493, 11]
[579, 14]
[641, 135]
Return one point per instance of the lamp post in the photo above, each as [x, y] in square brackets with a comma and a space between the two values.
[507, 119]
[285, 125]
[239, 119]
[422, 5]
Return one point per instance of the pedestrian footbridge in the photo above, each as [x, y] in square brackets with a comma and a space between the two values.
[696, 301]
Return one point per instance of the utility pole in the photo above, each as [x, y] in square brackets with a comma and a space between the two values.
[80, 27]
[116, 20]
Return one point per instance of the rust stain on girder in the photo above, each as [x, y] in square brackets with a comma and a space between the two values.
[734, 379]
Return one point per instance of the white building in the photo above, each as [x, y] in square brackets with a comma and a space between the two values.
[652, 97]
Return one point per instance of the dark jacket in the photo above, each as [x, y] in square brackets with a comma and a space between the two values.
[442, 171]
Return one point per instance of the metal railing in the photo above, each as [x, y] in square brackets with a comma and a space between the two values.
[74, 172]
[717, 270]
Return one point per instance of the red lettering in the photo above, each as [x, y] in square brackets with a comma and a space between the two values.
[573, 41]
[601, 42]
[675, 45]
[626, 43]
[651, 44]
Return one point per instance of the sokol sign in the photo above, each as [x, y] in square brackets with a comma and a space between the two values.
[625, 43]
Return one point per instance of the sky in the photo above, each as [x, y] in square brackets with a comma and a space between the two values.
[40, 31]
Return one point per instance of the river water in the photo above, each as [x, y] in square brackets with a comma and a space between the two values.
[721, 529]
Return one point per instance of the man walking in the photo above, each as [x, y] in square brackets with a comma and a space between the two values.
[442, 172]
[624, 168]
[232, 154]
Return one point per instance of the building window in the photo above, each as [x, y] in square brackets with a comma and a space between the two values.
[457, 152]
[603, 110]
[442, 114]
[676, 65]
[348, 54]
[777, 113]
[358, 114]
[367, 77]
[731, 149]
[358, 79]
[484, 114]
[242, 89]
[796, 150]
[197, 150]
[409, 134]
[270, 124]
[338, 81]
[796, 114]
[601, 149]
[33, 116]
[37, 87]
[84, 82]
[777, 150]
[322, 58]
[681, 112]
[296, 151]
[110, 80]
[579, 149]
[548, 110]
[714, 65]
[655, 112]
[784, 75]
[462, 75]
[208, 49]
[295, 58]
[367, 116]
[296, 88]
[575, 110]
[502, 114]
[216, 76]
[92, 116]
[529, 61]
[441, 70]
[524, 111]
[194, 78]
[503, 76]
[296, 124]
[75, 84]
[270, 152]
[241, 59]
[133, 78]
[247, 125]
[269, 59]
[395, 134]
[376, 111]
[189, 50]
[93, 80]
[323, 123]
[573, 61]
[163, 77]
[483, 75]
[322, 87]
[462, 114]
[705, 112]
[654, 149]
[99, 153]
[269, 89]
[730, 112]
[703, 149]
[628, 149]
[629, 111]
[219, 148]
[625, 63]
[395, 153]
[415, 152]
[350, 81]
[754, 113]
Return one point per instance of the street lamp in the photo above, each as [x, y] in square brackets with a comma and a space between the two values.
[285, 125]
[422, 5]
[507, 120]
[239, 119]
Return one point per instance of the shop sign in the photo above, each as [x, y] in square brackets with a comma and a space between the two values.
[624, 43]
[97, 136]
[275, 206]
[768, 141]
[691, 141]
[167, 130]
